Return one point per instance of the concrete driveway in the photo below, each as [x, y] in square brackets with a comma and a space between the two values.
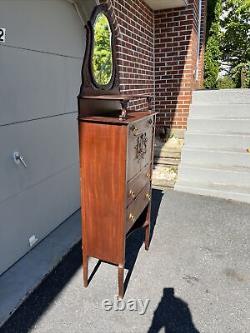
[195, 277]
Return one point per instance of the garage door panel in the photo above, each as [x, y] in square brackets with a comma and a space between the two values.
[47, 145]
[35, 85]
[40, 25]
[36, 211]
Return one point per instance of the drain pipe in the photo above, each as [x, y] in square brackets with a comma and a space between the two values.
[198, 42]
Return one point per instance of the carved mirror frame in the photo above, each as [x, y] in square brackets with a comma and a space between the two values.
[89, 85]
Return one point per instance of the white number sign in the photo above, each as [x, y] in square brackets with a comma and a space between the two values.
[2, 35]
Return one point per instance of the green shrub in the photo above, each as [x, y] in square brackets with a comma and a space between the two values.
[213, 37]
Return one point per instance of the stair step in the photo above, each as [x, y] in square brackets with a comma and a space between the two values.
[228, 111]
[223, 158]
[167, 153]
[222, 96]
[233, 126]
[167, 161]
[236, 176]
[221, 191]
[217, 140]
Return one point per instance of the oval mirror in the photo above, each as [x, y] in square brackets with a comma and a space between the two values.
[102, 60]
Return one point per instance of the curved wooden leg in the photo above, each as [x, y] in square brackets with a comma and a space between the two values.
[85, 270]
[120, 281]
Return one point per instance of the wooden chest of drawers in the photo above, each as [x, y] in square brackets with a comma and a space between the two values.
[115, 167]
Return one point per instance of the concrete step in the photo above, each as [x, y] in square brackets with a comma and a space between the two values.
[230, 96]
[222, 158]
[225, 111]
[237, 126]
[221, 191]
[235, 176]
[224, 141]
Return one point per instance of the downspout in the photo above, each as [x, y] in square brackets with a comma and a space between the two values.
[198, 42]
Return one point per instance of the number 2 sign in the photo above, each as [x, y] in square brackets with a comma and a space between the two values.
[2, 35]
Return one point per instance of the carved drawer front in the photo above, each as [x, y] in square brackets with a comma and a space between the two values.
[139, 146]
[135, 209]
[136, 184]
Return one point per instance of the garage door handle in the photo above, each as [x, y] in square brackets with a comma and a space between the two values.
[18, 158]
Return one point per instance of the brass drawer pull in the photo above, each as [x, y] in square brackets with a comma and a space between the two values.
[131, 217]
[148, 196]
[148, 175]
[132, 194]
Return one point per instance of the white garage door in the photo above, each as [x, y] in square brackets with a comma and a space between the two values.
[40, 75]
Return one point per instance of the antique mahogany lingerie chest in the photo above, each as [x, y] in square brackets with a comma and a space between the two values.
[116, 166]
[116, 153]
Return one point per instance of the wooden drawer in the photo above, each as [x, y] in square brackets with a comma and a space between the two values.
[135, 209]
[136, 184]
[139, 146]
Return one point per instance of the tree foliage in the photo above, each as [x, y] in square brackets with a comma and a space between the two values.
[228, 43]
[213, 37]
[235, 40]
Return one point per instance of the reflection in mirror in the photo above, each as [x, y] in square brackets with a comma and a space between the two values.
[102, 62]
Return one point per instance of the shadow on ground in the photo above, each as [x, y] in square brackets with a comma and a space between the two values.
[36, 304]
[172, 315]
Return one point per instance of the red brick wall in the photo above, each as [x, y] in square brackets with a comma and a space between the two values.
[135, 49]
[175, 63]
[169, 36]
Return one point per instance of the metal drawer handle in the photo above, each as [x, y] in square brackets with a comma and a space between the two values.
[132, 194]
[148, 175]
[150, 121]
[148, 196]
[18, 158]
[131, 217]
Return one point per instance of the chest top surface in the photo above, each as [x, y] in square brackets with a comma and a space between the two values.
[132, 116]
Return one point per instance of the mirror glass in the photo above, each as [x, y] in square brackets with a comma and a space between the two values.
[102, 62]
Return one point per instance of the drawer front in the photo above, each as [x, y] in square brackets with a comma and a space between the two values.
[136, 184]
[135, 209]
[140, 138]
